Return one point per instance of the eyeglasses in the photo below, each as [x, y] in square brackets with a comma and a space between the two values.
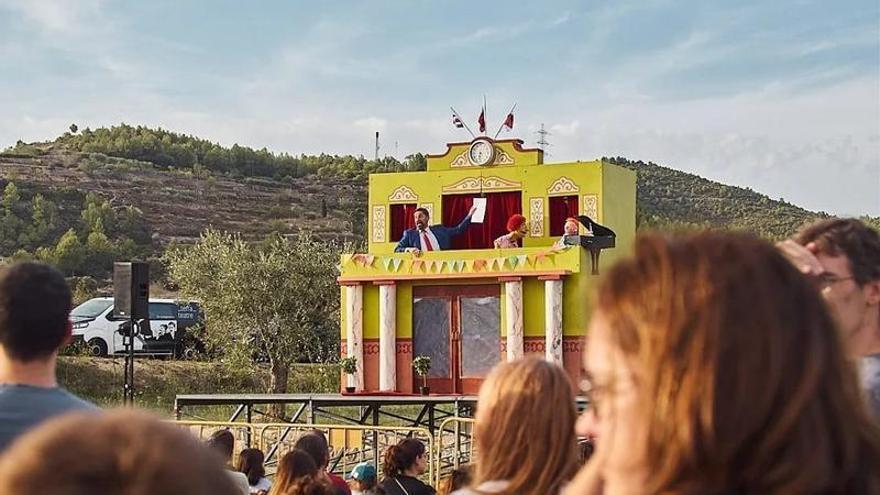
[826, 280]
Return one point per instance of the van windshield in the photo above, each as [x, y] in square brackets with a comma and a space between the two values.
[91, 308]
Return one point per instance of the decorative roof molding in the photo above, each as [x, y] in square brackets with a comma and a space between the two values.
[501, 157]
[461, 161]
[477, 184]
[403, 194]
[562, 186]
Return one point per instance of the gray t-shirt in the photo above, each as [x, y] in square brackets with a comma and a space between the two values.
[870, 374]
[23, 406]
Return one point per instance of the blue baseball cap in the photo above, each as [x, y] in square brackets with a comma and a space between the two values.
[363, 472]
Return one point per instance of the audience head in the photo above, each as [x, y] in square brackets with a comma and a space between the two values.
[222, 442]
[364, 476]
[458, 479]
[519, 436]
[713, 366]
[115, 453]
[35, 304]
[517, 223]
[250, 462]
[421, 216]
[849, 252]
[298, 474]
[315, 444]
[572, 226]
[408, 456]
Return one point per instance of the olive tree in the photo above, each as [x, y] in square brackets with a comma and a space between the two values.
[276, 300]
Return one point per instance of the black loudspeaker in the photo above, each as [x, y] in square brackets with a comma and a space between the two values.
[131, 290]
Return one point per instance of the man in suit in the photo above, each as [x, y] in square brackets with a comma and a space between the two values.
[430, 238]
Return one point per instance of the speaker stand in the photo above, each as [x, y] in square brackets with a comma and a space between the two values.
[128, 344]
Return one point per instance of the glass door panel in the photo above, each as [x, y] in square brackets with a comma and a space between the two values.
[480, 339]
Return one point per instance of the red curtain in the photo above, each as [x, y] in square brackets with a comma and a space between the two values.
[499, 207]
[561, 207]
[401, 219]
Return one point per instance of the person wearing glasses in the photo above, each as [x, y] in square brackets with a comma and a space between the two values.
[842, 257]
[712, 366]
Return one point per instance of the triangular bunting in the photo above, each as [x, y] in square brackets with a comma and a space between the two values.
[512, 260]
[479, 265]
[397, 262]
[386, 262]
[368, 260]
[522, 259]
[501, 263]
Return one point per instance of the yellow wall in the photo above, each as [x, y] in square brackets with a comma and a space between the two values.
[614, 188]
[533, 182]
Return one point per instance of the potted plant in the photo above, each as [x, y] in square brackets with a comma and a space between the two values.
[349, 367]
[422, 365]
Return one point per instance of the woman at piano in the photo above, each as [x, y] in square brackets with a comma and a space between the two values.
[517, 228]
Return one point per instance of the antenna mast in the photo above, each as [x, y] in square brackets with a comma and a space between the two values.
[542, 140]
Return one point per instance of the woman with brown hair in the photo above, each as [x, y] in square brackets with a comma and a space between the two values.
[524, 432]
[714, 367]
[298, 475]
[403, 464]
[250, 462]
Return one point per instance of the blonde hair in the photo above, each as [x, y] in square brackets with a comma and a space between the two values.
[742, 381]
[524, 432]
[112, 453]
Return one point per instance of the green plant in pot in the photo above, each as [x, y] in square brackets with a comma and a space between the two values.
[349, 367]
[422, 365]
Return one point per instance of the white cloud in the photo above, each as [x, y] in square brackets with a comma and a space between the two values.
[565, 130]
[372, 123]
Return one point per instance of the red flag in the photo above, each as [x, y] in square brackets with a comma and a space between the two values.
[508, 122]
[457, 121]
[482, 120]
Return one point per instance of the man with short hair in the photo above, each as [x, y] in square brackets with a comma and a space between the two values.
[222, 442]
[426, 237]
[843, 258]
[35, 304]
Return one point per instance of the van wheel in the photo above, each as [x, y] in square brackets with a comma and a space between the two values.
[97, 347]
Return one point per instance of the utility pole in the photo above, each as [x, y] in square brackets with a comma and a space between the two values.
[542, 140]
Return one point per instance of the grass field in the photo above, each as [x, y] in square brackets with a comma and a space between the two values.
[157, 381]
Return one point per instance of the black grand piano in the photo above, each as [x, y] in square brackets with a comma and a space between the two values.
[602, 238]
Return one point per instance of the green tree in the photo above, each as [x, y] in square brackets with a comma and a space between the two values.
[277, 299]
[69, 253]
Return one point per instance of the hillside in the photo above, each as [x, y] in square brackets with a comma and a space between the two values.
[166, 188]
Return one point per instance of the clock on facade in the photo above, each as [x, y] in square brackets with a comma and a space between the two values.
[481, 152]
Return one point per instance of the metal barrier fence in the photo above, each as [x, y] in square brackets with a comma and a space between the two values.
[455, 445]
[245, 434]
[349, 444]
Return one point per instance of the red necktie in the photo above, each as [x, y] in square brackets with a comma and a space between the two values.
[426, 242]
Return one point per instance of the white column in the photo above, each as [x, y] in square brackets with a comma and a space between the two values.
[387, 338]
[513, 294]
[553, 320]
[354, 332]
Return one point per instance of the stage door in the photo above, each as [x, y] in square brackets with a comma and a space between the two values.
[459, 327]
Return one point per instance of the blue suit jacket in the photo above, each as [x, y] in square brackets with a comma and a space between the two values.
[443, 234]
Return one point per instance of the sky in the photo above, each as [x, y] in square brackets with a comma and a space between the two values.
[782, 97]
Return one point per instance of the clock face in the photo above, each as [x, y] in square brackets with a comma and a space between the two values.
[481, 152]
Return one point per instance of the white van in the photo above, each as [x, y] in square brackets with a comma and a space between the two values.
[94, 325]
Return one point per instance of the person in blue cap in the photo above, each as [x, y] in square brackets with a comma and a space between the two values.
[362, 480]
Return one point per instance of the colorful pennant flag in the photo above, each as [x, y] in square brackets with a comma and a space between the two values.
[512, 260]
[397, 262]
[386, 262]
[479, 265]
[522, 259]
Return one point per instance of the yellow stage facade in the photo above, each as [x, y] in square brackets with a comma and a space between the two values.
[472, 306]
